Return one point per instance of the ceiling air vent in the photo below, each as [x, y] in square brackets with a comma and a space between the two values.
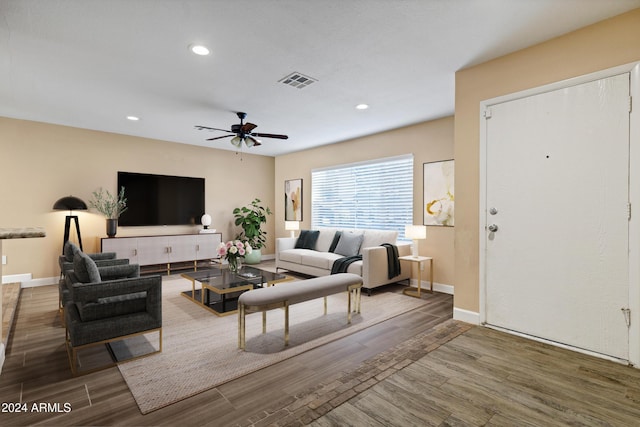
[298, 80]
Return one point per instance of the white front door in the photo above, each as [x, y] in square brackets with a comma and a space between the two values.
[557, 189]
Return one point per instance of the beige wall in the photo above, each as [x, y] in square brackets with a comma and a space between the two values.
[41, 163]
[604, 45]
[428, 142]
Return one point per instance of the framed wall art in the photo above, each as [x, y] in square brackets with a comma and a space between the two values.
[293, 200]
[438, 202]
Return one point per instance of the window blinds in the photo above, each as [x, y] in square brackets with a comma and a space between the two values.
[375, 194]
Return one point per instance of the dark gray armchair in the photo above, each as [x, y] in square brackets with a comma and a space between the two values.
[65, 261]
[103, 306]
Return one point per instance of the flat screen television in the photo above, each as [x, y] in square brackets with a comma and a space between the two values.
[161, 199]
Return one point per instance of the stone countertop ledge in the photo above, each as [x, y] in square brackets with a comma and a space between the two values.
[22, 232]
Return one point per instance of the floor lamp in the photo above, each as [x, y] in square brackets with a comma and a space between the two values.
[70, 204]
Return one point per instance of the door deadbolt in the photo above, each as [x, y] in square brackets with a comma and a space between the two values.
[493, 228]
[493, 211]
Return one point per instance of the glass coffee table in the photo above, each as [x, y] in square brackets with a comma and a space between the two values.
[220, 288]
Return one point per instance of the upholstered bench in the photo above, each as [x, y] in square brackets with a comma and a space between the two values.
[285, 294]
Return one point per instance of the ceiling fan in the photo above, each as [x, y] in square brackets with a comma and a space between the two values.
[243, 132]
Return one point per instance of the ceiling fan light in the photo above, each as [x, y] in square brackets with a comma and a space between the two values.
[236, 141]
[250, 142]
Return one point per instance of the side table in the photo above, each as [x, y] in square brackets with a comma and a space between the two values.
[412, 292]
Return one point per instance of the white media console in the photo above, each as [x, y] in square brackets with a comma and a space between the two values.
[176, 249]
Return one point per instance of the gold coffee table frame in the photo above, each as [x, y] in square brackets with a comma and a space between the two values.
[197, 276]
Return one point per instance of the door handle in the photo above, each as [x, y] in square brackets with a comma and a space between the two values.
[493, 228]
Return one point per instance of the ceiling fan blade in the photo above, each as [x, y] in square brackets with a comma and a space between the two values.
[208, 128]
[270, 135]
[248, 127]
[219, 137]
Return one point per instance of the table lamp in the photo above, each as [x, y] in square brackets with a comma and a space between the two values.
[292, 226]
[415, 233]
[71, 204]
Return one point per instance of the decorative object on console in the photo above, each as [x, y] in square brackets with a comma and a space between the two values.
[234, 251]
[251, 218]
[438, 208]
[415, 233]
[71, 204]
[109, 205]
[293, 200]
[292, 226]
[206, 222]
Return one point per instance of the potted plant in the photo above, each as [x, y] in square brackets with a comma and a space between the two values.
[109, 205]
[251, 218]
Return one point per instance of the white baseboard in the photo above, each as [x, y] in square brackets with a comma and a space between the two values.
[466, 316]
[14, 278]
[1, 356]
[44, 281]
[26, 280]
[438, 287]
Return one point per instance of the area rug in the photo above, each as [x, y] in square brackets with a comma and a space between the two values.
[200, 350]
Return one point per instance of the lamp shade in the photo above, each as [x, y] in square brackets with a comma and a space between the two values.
[292, 225]
[415, 232]
[70, 203]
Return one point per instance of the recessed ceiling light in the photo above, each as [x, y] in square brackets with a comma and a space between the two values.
[199, 49]
[362, 107]
[133, 118]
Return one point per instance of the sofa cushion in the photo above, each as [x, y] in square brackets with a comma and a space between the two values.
[70, 251]
[114, 306]
[307, 239]
[355, 268]
[322, 260]
[377, 237]
[334, 243]
[294, 255]
[85, 268]
[325, 239]
[349, 244]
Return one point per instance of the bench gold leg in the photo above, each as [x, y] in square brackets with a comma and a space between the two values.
[264, 322]
[286, 323]
[241, 327]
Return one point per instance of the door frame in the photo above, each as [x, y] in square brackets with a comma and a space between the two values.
[634, 195]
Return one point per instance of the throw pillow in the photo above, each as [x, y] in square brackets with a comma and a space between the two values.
[311, 239]
[85, 268]
[301, 239]
[349, 244]
[70, 250]
[307, 239]
[334, 243]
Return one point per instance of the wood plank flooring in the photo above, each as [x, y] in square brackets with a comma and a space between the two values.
[403, 372]
[36, 370]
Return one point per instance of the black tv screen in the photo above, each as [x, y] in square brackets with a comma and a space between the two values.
[161, 199]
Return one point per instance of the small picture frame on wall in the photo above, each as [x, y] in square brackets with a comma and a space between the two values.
[438, 203]
[293, 200]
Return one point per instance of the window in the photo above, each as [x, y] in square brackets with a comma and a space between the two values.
[376, 194]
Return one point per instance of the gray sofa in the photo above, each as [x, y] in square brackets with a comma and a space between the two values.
[317, 258]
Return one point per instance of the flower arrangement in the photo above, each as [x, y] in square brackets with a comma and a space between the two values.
[232, 251]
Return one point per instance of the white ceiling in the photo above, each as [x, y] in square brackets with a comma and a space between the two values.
[90, 63]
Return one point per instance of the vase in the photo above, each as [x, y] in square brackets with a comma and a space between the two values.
[254, 257]
[112, 227]
[235, 264]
